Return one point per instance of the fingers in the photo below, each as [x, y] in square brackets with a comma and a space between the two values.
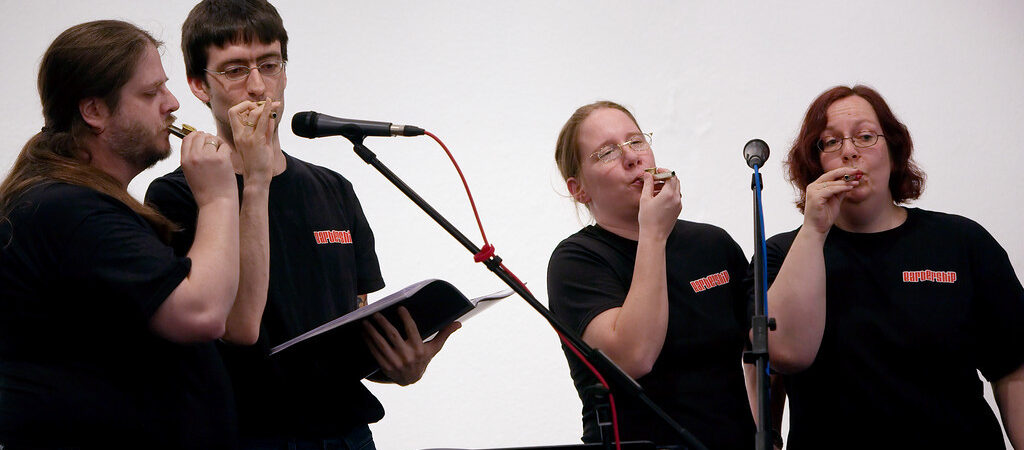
[250, 118]
[673, 186]
[198, 141]
[648, 189]
[659, 185]
[438, 341]
[403, 361]
[390, 332]
[380, 349]
[840, 174]
[828, 189]
[412, 333]
[208, 170]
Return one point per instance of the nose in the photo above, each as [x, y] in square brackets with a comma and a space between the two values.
[172, 102]
[848, 150]
[630, 158]
[255, 84]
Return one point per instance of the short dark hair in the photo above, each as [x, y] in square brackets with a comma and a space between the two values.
[222, 22]
[803, 165]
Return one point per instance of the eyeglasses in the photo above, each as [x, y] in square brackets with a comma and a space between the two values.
[863, 139]
[638, 144]
[236, 73]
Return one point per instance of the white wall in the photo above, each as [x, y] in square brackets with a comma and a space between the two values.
[496, 80]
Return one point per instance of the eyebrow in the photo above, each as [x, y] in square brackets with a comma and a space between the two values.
[629, 137]
[860, 125]
[243, 61]
[157, 84]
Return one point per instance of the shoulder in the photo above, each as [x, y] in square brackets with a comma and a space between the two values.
[782, 241]
[940, 221]
[688, 229]
[702, 236]
[60, 210]
[66, 202]
[308, 169]
[171, 182]
[176, 176]
[589, 239]
[952, 228]
[587, 246]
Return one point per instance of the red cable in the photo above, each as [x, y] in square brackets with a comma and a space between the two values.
[487, 251]
[611, 399]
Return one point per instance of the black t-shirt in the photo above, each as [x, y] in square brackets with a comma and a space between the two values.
[911, 314]
[81, 275]
[321, 257]
[698, 378]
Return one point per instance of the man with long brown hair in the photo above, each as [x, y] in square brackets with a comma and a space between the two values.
[105, 334]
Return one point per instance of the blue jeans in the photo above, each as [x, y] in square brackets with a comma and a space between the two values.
[359, 438]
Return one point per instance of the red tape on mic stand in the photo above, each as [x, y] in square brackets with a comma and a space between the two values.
[487, 251]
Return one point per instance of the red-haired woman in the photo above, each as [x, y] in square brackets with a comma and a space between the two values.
[886, 313]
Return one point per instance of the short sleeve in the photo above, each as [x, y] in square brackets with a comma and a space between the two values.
[738, 270]
[582, 285]
[776, 249]
[113, 250]
[368, 276]
[171, 196]
[999, 306]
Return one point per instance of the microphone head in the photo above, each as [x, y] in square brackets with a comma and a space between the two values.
[756, 152]
[304, 124]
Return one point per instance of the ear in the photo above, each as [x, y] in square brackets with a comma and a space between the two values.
[200, 89]
[575, 188]
[95, 113]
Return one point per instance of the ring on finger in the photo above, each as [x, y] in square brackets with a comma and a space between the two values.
[249, 124]
[212, 142]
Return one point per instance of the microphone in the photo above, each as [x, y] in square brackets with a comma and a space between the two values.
[309, 124]
[755, 152]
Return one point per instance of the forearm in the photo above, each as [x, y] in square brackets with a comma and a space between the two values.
[776, 395]
[635, 335]
[797, 302]
[750, 383]
[243, 322]
[214, 275]
[1009, 394]
[197, 309]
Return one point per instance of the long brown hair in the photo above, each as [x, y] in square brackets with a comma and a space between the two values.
[93, 59]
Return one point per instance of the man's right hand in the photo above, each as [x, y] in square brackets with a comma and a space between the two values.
[253, 131]
[206, 161]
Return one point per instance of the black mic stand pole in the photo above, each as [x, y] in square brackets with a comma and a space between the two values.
[612, 373]
[760, 324]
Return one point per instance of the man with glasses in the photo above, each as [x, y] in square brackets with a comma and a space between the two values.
[235, 58]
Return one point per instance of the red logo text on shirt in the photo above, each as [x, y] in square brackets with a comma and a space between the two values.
[937, 276]
[710, 281]
[332, 237]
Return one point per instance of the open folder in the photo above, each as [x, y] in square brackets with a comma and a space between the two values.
[433, 304]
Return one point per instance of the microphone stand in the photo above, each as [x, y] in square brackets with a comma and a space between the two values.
[760, 324]
[612, 373]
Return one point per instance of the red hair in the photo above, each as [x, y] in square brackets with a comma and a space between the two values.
[803, 164]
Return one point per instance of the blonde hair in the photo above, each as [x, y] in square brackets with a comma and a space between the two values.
[567, 152]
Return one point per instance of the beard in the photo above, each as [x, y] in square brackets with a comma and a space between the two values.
[137, 144]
